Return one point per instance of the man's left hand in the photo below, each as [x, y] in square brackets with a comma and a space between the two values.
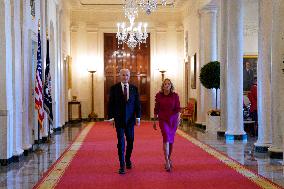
[137, 121]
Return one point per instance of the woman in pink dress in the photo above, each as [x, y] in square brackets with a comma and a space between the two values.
[167, 110]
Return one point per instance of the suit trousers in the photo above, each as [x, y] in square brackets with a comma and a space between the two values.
[129, 135]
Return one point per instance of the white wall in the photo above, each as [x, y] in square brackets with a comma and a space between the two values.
[250, 27]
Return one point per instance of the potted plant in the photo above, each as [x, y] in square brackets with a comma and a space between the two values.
[210, 79]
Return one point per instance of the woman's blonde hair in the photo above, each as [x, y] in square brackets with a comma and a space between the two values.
[172, 85]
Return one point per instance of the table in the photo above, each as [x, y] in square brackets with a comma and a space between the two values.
[71, 105]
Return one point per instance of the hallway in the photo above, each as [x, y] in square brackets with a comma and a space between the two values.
[30, 169]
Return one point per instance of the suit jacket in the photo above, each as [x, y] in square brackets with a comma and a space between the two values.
[248, 79]
[124, 112]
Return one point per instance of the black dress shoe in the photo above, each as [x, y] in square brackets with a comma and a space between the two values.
[121, 171]
[128, 165]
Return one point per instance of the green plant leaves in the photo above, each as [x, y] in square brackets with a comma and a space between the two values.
[210, 75]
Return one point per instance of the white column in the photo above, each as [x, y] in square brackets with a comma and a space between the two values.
[62, 76]
[223, 67]
[200, 89]
[57, 71]
[54, 70]
[207, 53]
[28, 120]
[264, 76]
[277, 78]
[17, 78]
[6, 83]
[235, 127]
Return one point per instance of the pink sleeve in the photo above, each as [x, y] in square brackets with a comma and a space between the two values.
[157, 104]
[177, 104]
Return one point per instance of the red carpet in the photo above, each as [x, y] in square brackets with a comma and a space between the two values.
[95, 165]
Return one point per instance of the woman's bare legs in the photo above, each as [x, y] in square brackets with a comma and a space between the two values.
[166, 148]
[171, 145]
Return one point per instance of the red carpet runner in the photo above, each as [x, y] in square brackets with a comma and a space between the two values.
[92, 162]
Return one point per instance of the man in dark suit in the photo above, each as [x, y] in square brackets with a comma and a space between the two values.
[125, 109]
[248, 77]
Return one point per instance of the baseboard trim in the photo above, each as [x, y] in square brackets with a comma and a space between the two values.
[275, 155]
[5, 162]
[26, 152]
[221, 133]
[236, 137]
[17, 158]
[200, 126]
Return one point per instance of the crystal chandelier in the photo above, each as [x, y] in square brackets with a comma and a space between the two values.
[132, 35]
[151, 5]
[130, 9]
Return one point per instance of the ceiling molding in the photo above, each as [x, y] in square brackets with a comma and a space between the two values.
[100, 4]
[116, 6]
[111, 4]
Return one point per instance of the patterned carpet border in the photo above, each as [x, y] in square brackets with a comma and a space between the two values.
[257, 179]
[54, 175]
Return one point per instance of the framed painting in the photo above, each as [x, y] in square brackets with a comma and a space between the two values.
[193, 71]
[249, 71]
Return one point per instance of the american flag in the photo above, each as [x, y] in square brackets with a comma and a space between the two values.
[38, 84]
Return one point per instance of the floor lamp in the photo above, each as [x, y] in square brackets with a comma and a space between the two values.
[163, 74]
[92, 115]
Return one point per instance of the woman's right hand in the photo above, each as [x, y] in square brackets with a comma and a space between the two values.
[154, 126]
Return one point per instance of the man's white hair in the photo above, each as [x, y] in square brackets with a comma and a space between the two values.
[124, 70]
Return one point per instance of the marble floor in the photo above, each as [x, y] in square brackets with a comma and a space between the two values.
[26, 173]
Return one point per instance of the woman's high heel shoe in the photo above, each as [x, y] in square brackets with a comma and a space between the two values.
[168, 167]
[171, 163]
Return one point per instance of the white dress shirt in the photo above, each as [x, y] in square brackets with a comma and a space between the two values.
[127, 87]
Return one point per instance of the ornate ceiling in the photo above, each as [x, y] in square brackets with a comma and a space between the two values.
[112, 5]
[109, 12]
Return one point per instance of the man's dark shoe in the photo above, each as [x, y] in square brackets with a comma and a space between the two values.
[128, 165]
[121, 171]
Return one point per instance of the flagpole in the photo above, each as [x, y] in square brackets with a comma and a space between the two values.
[38, 150]
[49, 135]
[47, 91]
